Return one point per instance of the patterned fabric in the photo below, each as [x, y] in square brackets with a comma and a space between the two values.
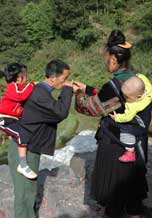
[91, 105]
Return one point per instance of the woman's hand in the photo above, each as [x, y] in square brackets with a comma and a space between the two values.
[80, 85]
[75, 87]
[72, 84]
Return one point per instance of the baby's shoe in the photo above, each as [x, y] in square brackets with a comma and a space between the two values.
[128, 156]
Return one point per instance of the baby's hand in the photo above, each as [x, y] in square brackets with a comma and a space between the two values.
[113, 116]
[35, 82]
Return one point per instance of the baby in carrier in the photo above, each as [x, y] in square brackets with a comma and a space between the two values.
[137, 91]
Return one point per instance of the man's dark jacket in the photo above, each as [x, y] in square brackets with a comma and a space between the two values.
[41, 115]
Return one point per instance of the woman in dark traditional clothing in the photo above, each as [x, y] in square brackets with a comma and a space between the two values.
[119, 187]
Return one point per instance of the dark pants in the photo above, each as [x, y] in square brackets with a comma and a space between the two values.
[24, 189]
[12, 128]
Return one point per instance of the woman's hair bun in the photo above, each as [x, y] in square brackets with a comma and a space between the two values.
[116, 37]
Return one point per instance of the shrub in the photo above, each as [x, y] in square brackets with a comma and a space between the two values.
[85, 37]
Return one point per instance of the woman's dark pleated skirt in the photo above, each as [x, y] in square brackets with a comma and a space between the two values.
[113, 182]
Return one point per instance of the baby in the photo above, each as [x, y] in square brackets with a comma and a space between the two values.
[137, 91]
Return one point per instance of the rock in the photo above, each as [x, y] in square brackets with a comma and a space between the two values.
[59, 193]
[63, 192]
[6, 193]
[78, 166]
[81, 143]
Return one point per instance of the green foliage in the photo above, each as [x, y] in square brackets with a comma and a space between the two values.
[58, 49]
[11, 29]
[72, 20]
[68, 17]
[81, 21]
[38, 22]
[110, 6]
[21, 53]
[85, 37]
[88, 66]
[143, 21]
[141, 57]
[119, 18]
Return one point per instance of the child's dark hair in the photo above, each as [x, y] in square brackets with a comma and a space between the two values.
[55, 67]
[116, 46]
[11, 71]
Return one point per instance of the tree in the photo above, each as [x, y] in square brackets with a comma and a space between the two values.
[143, 22]
[112, 5]
[71, 20]
[11, 26]
[37, 19]
[86, 36]
[68, 17]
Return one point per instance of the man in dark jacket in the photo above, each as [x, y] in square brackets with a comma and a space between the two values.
[41, 115]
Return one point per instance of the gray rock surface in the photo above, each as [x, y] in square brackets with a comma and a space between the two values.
[6, 193]
[64, 191]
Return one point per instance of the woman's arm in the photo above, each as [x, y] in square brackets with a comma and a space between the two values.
[89, 90]
[96, 103]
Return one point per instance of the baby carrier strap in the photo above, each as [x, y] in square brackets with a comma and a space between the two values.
[116, 86]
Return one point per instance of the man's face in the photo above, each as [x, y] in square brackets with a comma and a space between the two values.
[58, 81]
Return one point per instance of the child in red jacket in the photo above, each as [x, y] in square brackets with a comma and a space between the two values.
[17, 90]
[11, 106]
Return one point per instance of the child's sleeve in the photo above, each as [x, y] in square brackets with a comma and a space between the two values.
[148, 85]
[131, 109]
[129, 113]
[15, 94]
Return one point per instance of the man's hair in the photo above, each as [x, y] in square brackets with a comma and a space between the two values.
[55, 67]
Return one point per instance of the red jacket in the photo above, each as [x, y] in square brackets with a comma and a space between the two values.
[11, 103]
